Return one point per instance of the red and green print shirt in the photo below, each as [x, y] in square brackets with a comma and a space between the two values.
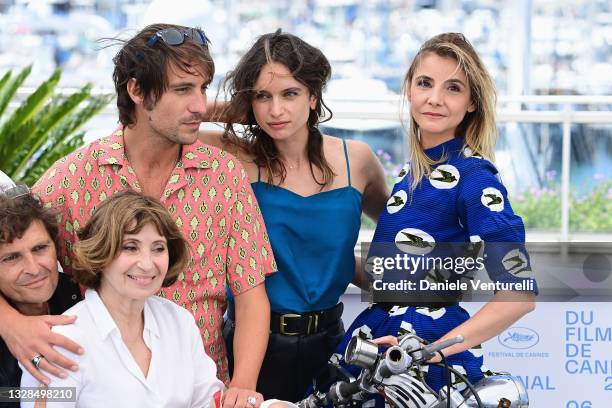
[208, 195]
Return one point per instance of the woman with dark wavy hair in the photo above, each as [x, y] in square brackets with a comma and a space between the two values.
[311, 189]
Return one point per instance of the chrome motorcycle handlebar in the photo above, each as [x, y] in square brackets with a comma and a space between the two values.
[387, 373]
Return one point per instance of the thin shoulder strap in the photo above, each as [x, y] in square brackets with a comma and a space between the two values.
[258, 173]
[348, 167]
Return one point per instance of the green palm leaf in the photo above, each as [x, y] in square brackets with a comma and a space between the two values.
[62, 136]
[9, 89]
[50, 156]
[5, 80]
[47, 123]
[44, 127]
[35, 101]
[13, 139]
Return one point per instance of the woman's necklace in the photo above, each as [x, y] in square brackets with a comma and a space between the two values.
[292, 166]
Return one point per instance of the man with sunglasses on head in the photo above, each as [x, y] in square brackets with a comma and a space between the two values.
[160, 77]
[29, 278]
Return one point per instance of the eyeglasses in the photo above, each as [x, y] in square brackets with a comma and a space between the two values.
[12, 191]
[175, 36]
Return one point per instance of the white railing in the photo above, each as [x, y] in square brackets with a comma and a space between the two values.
[389, 107]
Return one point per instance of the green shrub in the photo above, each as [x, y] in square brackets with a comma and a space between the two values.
[590, 212]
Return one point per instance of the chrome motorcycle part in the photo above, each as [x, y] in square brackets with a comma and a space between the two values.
[492, 389]
[361, 352]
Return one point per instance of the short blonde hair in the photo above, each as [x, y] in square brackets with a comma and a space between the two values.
[478, 128]
[125, 213]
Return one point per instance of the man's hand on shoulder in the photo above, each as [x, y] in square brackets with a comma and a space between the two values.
[30, 336]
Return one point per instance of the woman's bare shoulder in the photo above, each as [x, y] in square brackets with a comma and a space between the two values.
[356, 147]
[358, 151]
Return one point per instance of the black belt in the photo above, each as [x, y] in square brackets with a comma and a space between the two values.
[293, 324]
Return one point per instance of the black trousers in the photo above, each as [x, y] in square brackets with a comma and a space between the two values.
[291, 362]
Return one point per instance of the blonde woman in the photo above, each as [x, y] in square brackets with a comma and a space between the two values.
[450, 193]
[140, 350]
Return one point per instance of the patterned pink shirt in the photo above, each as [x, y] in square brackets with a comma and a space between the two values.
[209, 196]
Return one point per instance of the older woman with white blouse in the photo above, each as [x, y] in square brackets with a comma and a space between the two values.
[140, 350]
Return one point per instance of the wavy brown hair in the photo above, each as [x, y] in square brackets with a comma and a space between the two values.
[308, 66]
[477, 128]
[149, 66]
[102, 238]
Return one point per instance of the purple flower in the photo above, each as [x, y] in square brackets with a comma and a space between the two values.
[380, 152]
[535, 191]
[610, 194]
[598, 176]
[550, 175]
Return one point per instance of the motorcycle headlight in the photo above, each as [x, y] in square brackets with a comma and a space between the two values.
[360, 352]
[492, 389]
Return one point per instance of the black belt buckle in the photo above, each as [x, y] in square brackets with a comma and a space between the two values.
[313, 324]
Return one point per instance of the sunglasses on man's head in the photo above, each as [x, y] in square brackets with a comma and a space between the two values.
[175, 36]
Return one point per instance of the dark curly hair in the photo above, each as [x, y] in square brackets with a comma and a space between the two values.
[18, 213]
[308, 66]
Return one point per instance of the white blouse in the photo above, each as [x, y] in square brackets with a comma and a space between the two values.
[180, 373]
